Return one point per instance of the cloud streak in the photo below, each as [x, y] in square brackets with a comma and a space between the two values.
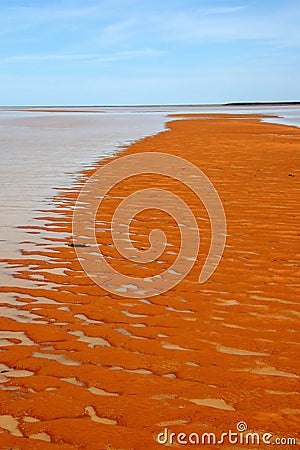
[224, 10]
[93, 57]
[217, 25]
[108, 23]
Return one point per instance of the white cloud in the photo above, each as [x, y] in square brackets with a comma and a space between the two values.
[224, 10]
[108, 23]
[88, 57]
[215, 25]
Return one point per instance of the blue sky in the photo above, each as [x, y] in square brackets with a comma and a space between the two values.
[111, 52]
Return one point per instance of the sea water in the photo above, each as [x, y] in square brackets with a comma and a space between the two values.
[43, 151]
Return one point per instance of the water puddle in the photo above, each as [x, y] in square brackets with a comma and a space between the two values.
[59, 358]
[139, 371]
[20, 316]
[40, 436]
[175, 347]
[20, 336]
[123, 331]
[92, 413]
[6, 372]
[212, 403]
[98, 391]
[87, 320]
[187, 311]
[171, 422]
[91, 341]
[274, 372]
[73, 381]
[128, 314]
[235, 351]
[10, 424]
[30, 419]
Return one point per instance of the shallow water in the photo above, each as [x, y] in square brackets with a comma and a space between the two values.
[42, 152]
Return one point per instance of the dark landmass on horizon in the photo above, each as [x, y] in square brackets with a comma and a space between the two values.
[261, 104]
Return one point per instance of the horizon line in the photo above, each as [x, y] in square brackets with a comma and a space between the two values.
[239, 103]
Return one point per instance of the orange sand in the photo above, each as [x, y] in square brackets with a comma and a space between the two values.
[97, 371]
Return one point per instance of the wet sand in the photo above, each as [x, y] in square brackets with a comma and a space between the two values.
[82, 368]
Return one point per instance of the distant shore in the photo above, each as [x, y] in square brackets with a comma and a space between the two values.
[262, 104]
[58, 108]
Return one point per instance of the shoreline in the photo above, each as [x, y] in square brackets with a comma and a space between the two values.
[136, 369]
[282, 113]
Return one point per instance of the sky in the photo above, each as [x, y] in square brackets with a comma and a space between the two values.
[133, 52]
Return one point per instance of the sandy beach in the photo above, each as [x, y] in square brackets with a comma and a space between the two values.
[82, 368]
